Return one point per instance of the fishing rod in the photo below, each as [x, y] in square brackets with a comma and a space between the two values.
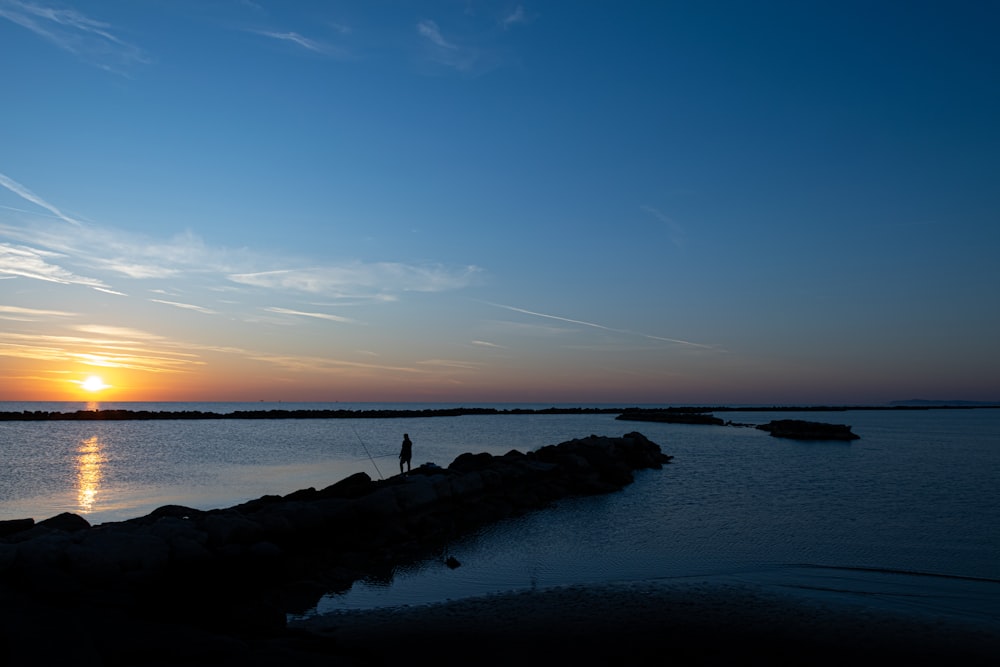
[370, 458]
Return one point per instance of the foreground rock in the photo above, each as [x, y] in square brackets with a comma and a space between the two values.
[806, 430]
[240, 570]
[663, 622]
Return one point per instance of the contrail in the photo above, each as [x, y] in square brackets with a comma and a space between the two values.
[25, 193]
[597, 326]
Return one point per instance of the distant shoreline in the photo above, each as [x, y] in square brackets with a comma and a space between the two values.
[137, 415]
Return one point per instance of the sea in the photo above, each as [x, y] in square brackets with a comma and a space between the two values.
[906, 518]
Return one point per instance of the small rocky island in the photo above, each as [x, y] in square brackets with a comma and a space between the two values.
[671, 416]
[800, 429]
[179, 579]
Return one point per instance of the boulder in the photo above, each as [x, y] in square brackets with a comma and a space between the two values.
[417, 493]
[354, 486]
[12, 526]
[67, 521]
[231, 527]
[806, 430]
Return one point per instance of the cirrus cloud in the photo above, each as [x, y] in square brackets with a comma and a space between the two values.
[89, 39]
[353, 277]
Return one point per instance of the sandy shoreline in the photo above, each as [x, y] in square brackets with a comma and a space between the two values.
[646, 622]
[652, 623]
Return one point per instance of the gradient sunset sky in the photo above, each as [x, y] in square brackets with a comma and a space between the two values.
[626, 202]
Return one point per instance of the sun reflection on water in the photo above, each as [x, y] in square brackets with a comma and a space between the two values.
[90, 461]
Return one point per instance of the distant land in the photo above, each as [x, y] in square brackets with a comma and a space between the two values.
[923, 402]
[687, 411]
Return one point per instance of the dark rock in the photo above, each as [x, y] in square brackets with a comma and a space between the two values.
[178, 511]
[231, 527]
[303, 494]
[669, 417]
[467, 485]
[807, 430]
[12, 526]
[380, 504]
[353, 486]
[417, 494]
[299, 597]
[240, 569]
[67, 522]
[469, 462]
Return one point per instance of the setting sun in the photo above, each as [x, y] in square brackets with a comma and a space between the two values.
[94, 383]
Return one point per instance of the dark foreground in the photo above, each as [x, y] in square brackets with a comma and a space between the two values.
[180, 583]
[655, 624]
[641, 624]
[188, 587]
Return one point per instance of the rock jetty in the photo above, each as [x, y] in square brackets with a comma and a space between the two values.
[278, 413]
[243, 568]
[670, 416]
[806, 430]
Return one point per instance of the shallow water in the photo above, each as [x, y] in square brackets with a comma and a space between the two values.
[916, 494]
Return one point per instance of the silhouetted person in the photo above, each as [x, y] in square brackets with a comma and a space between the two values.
[405, 453]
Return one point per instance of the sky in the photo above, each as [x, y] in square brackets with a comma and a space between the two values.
[500, 201]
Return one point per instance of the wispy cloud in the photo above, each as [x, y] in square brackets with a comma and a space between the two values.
[139, 270]
[451, 363]
[676, 231]
[306, 43]
[450, 54]
[145, 362]
[597, 326]
[28, 195]
[547, 329]
[87, 38]
[186, 306]
[472, 44]
[429, 30]
[318, 316]
[484, 343]
[32, 263]
[514, 17]
[108, 290]
[326, 364]
[130, 348]
[119, 252]
[356, 278]
[340, 28]
[54, 254]
[252, 6]
[31, 348]
[128, 333]
[184, 272]
[138, 257]
[106, 349]
[30, 314]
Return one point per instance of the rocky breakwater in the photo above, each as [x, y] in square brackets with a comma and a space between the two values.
[241, 569]
[799, 429]
[670, 416]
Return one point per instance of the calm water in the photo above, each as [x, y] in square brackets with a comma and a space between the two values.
[917, 494]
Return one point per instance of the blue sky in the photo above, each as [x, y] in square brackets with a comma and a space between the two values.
[635, 202]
